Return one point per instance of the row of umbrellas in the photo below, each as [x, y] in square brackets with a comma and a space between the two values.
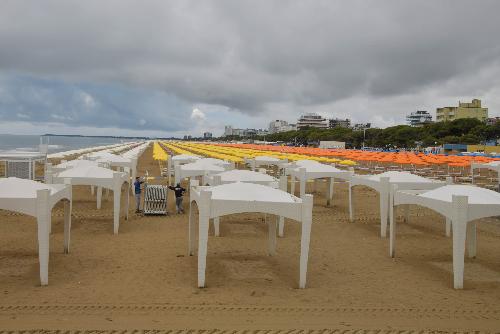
[418, 159]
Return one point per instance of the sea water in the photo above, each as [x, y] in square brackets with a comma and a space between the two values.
[56, 143]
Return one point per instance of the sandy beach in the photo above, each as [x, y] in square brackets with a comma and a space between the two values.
[143, 279]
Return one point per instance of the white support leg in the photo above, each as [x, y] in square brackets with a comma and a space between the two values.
[117, 191]
[281, 227]
[392, 225]
[303, 182]
[460, 204]
[305, 238]
[281, 224]
[384, 205]
[43, 221]
[116, 210]
[134, 174]
[351, 215]
[271, 223]
[448, 227]
[67, 225]
[127, 204]
[217, 226]
[472, 239]
[329, 199]
[92, 190]
[302, 187]
[169, 169]
[99, 197]
[449, 180]
[191, 236]
[204, 216]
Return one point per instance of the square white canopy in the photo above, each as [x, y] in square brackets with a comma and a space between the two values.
[185, 158]
[494, 165]
[113, 160]
[263, 160]
[463, 205]
[70, 164]
[382, 184]
[101, 178]
[242, 197]
[177, 160]
[238, 175]
[304, 170]
[37, 199]
[202, 167]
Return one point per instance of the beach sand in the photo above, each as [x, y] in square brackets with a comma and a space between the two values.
[142, 278]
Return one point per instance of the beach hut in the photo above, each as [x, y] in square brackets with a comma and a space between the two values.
[37, 199]
[463, 205]
[22, 164]
[100, 178]
[382, 184]
[305, 170]
[238, 175]
[242, 197]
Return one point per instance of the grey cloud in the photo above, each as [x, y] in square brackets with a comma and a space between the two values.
[252, 55]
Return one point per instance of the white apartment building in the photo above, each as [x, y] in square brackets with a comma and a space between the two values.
[312, 120]
[280, 126]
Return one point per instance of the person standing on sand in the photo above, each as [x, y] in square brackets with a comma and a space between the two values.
[137, 191]
[179, 193]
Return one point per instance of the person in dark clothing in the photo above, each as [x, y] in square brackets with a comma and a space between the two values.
[179, 193]
[137, 191]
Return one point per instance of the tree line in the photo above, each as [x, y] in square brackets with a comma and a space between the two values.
[460, 131]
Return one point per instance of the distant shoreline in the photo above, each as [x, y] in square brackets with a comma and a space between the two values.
[84, 136]
[90, 136]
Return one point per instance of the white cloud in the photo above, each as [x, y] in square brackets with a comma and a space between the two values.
[198, 115]
[87, 100]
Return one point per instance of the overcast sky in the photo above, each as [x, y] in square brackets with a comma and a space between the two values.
[184, 67]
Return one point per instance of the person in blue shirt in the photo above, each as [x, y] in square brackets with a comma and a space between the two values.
[137, 188]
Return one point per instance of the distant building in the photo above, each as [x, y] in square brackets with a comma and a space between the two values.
[277, 126]
[361, 126]
[339, 123]
[207, 135]
[249, 132]
[331, 144]
[312, 120]
[464, 110]
[418, 118]
[228, 130]
[237, 132]
[492, 120]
